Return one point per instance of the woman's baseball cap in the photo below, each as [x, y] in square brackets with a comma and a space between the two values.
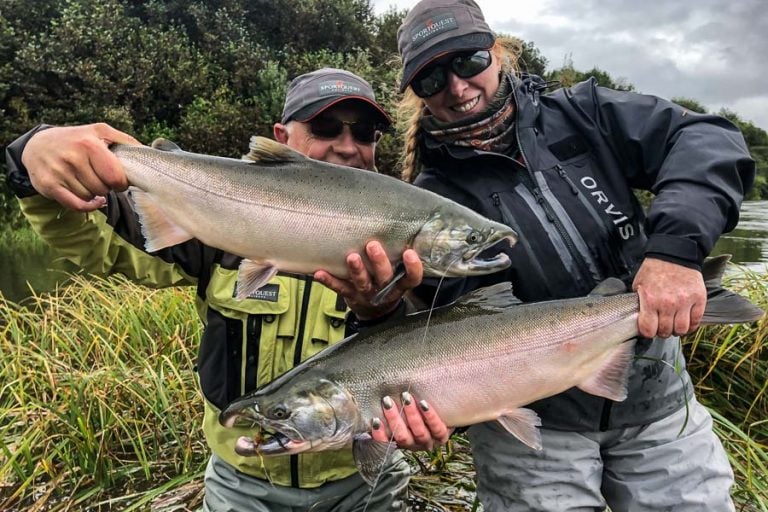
[433, 28]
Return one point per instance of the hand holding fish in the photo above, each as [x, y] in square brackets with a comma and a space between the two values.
[362, 286]
[672, 298]
[74, 166]
[413, 428]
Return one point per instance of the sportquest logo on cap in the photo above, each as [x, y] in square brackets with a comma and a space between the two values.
[311, 93]
[432, 27]
[436, 27]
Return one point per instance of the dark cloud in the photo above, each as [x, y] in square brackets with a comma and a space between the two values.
[712, 51]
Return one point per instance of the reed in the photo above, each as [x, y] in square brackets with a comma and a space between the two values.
[99, 400]
[729, 367]
[99, 407]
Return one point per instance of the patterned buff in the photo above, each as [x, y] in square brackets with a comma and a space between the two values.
[490, 130]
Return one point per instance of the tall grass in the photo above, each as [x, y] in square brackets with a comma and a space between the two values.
[99, 408]
[729, 367]
[98, 399]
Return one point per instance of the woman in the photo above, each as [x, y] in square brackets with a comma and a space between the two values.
[559, 168]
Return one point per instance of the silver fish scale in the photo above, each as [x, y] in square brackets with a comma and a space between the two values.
[286, 210]
[469, 360]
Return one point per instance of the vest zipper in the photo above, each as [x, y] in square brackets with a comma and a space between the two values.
[548, 210]
[567, 179]
[561, 230]
[253, 336]
[297, 359]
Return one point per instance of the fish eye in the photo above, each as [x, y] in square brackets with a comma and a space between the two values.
[475, 237]
[279, 412]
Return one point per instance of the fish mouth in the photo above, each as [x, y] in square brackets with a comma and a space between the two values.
[276, 443]
[273, 439]
[472, 264]
[477, 265]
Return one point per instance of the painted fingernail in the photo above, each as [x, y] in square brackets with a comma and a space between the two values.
[407, 398]
[387, 402]
[424, 405]
[375, 423]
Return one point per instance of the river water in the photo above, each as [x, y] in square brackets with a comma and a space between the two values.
[21, 273]
[748, 243]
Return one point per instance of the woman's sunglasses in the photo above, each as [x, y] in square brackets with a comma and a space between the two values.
[330, 128]
[433, 79]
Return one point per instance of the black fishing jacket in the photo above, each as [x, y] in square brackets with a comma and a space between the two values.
[569, 195]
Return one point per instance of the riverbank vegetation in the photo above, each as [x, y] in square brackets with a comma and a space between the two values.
[208, 75]
[100, 408]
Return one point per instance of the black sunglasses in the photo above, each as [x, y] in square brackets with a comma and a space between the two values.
[433, 79]
[330, 128]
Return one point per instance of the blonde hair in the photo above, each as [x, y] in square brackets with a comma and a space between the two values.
[410, 109]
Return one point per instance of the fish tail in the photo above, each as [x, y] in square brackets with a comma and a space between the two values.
[724, 306]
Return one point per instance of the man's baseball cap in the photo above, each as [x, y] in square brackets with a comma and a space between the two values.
[433, 28]
[311, 93]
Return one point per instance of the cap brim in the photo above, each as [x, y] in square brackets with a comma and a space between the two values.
[468, 42]
[311, 111]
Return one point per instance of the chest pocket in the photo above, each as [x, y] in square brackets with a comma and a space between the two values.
[330, 326]
[275, 336]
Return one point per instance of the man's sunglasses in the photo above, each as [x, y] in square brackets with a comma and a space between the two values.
[433, 79]
[330, 128]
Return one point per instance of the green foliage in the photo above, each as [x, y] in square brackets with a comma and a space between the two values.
[531, 60]
[757, 141]
[208, 74]
[568, 76]
[691, 104]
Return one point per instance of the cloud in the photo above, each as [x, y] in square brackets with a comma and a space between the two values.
[711, 51]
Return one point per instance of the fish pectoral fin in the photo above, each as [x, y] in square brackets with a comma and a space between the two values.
[610, 380]
[251, 276]
[158, 229]
[381, 294]
[264, 150]
[497, 297]
[371, 457]
[523, 424]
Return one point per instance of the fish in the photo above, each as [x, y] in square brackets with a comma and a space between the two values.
[483, 358]
[282, 211]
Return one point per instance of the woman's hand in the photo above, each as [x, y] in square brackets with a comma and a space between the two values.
[416, 427]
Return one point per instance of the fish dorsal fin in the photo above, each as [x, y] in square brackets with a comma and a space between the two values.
[523, 424]
[610, 286]
[492, 298]
[610, 380]
[264, 150]
[165, 145]
[371, 456]
[158, 229]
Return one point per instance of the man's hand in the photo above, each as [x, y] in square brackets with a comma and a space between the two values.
[361, 286]
[74, 166]
[672, 298]
[418, 427]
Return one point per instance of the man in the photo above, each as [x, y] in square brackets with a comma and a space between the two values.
[330, 115]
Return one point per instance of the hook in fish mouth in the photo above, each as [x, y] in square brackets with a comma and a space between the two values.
[275, 443]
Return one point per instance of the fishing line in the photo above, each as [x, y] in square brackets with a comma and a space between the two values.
[402, 409]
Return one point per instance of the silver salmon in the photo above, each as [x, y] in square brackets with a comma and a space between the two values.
[280, 210]
[483, 358]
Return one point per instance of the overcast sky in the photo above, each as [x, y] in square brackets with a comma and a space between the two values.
[712, 51]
